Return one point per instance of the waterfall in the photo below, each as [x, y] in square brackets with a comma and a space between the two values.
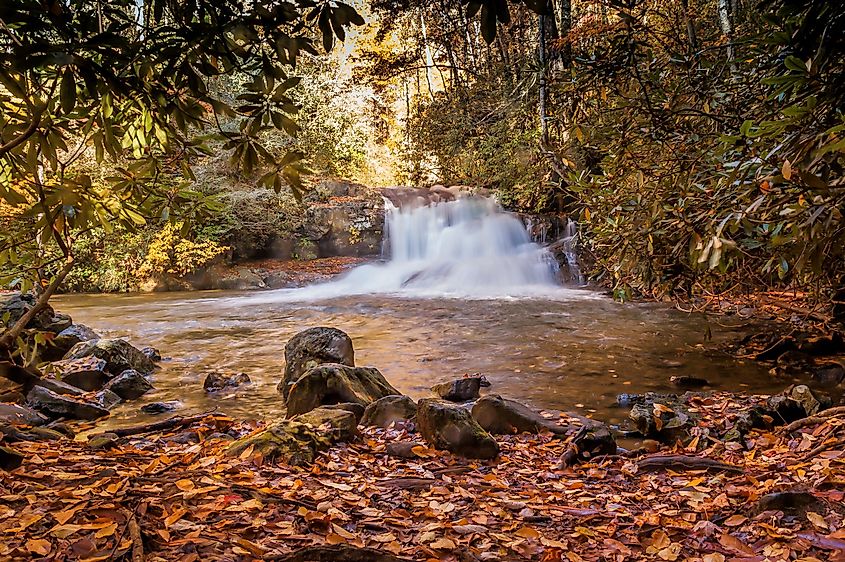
[466, 248]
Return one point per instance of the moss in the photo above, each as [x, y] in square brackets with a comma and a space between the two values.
[291, 442]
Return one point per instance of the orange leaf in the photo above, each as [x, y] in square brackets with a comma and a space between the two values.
[528, 533]
[41, 547]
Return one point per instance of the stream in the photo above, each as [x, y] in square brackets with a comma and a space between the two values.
[464, 291]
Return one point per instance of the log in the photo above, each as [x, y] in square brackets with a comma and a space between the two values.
[337, 553]
[685, 462]
[170, 423]
[137, 540]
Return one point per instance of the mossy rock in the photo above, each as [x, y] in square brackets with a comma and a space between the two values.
[291, 442]
[388, 410]
[337, 424]
[501, 416]
[330, 384]
[313, 347]
[450, 427]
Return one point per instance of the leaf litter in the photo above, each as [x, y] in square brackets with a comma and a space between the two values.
[151, 498]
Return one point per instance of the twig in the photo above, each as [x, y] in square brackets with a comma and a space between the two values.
[684, 462]
[824, 447]
[137, 540]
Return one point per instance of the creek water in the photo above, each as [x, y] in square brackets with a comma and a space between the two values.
[463, 291]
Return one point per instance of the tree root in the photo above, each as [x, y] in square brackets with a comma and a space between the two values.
[821, 417]
[337, 553]
[684, 462]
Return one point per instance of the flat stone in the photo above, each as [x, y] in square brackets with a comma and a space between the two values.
[64, 406]
[161, 407]
[15, 414]
[87, 373]
[10, 459]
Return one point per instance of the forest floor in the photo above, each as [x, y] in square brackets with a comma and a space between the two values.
[160, 496]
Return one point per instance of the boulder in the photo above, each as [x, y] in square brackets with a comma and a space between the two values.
[13, 307]
[103, 441]
[502, 416]
[292, 442]
[461, 390]
[88, 373]
[64, 406]
[334, 383]
[313, 347]
[830, 373]
[129, 385]
[118, 354]
[59, 323]
[74, 334]
[59, 387]
[15, 414]
[161, 407]
[215, 381]
[445, 425]
[402, 449]
[339, 425]
[385, 411]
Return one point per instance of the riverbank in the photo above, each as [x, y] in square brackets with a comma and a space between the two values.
[178, 495]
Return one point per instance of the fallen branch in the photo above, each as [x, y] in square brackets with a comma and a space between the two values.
[407, 483]
[821, 417]
[137, 540]
[684, 462]
[807, 312]
[824, 447]
[170, 423]
[337, 553]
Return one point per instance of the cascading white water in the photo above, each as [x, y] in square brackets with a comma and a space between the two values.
[466, 247]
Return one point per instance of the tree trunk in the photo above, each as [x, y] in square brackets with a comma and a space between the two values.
[726, 24]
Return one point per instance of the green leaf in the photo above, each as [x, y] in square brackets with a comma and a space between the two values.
[67, 93]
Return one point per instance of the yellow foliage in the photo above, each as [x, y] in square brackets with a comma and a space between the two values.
[170, 253]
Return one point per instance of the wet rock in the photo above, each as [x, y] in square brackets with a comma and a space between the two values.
[60, 387]
[829, 374]
[660, 422]
[240, 280]
[292, 442]
[461, 390]
[118, 354]
[796, 402]
[312, 347]
[215, 382]
[776, 348]
[402, 449]
[10, 459]
[501, 416]
[64, 406]
[129, 385]
[687, 382]
[87, 373]
[450, 427]
[161, 407]
[13, 307]
[107, 399]
[103, 441]
[388, 410]
[592, 440]
[59, 323]
[45, 434]
[334, 383]
[152, 354]
[15, 414]
[76, 333]
[339, 425]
